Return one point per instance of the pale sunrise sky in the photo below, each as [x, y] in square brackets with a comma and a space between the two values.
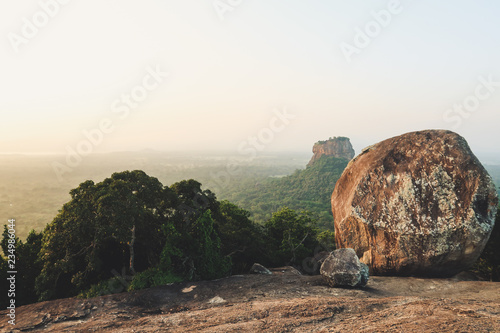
[368, 70]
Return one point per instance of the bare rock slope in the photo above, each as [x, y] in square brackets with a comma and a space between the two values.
[417, 204]
[282, 302]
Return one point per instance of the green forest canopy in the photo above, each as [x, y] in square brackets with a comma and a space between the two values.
[131, 228]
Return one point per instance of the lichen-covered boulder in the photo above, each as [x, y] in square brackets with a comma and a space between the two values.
[342, 268]
[417, 204]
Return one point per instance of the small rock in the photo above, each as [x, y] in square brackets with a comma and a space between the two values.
[188, 289]
[259, 269]
[342, 268]
[217, 300]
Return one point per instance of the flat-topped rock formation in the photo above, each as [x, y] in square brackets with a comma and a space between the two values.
[337, 146]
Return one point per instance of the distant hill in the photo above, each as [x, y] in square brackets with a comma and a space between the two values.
[307, 189]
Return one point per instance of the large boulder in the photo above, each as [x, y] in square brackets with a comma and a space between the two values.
[342, 268]
[417, 204]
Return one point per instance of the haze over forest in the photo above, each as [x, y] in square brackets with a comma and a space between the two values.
[31, 192]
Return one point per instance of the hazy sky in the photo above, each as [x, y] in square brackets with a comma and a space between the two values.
[368, 70]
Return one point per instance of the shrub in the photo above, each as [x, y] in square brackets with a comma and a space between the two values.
[105, 287]
[152, 277]
[326, 240]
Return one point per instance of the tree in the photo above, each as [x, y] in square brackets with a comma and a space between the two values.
[209, 263]
[29, 267]
[105, 226]
[192, 202]
[26, 263]
[4, 283]
[129, 202]
[194, 251]
[291, 236]
[180, 250]
[242, 239]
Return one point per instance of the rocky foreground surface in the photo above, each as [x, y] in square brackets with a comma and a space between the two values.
[282, 302]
